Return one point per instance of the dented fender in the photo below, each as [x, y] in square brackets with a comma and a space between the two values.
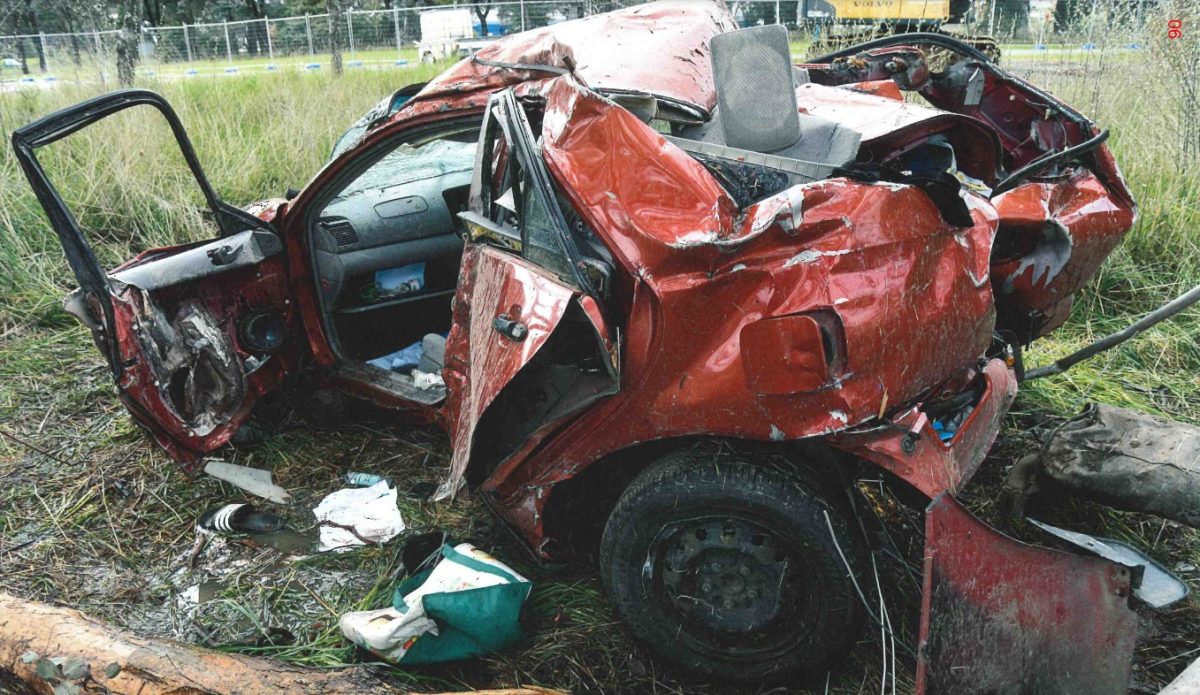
[1001, 616]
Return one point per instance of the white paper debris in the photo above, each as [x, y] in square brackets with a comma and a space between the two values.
[370, 511]
[426, 380]
[253, 480]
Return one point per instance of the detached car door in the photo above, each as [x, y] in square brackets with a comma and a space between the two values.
[193, 334]
[530, 343]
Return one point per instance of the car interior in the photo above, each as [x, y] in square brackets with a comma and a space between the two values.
[387, 249]
[388, 245]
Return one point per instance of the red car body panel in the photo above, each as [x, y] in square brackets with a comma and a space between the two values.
[480, 361]
[220, 301]
[926, 462]
[831, 253]
[1000, 616]
[1060, 233]
[659, 48]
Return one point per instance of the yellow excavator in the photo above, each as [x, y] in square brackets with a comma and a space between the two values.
[845, 22]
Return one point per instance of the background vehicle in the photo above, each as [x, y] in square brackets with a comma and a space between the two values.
[845, 22]
[674, 345]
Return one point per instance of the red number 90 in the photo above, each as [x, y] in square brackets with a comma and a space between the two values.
[1174, 28]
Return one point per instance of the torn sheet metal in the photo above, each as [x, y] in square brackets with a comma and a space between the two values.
[256, 481]
[354, 517]
[481, 360]
[1128, 460]
[1000, 616]
[1153, 585]
[1052, 239]
[912, 449]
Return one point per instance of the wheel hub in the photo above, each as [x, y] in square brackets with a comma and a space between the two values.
[727, 573]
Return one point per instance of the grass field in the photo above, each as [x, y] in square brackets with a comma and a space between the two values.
[93, 515]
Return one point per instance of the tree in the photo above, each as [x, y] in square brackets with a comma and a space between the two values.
[334, 7]
[129, 20]
[481, 11]
[256, 32]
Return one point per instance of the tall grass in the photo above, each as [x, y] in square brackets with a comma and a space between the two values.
[1147, 99]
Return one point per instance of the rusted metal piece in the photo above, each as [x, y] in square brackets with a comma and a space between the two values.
[1001, 616]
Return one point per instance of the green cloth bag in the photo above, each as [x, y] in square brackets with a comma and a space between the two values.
[471, 623]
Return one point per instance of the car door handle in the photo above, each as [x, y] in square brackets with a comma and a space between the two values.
[224, 255]
[513, 330]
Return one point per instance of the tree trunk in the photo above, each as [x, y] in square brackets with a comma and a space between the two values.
[335, 45]
[102, 659]
[22, 57]
[481, 11]
[32, 22]
[127, 42]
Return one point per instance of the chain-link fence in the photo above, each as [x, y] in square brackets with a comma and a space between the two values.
[376, 38]
[391, 38]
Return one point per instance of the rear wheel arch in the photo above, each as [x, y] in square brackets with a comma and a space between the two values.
[578, 508]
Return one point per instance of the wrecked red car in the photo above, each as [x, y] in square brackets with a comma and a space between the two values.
[663, 288]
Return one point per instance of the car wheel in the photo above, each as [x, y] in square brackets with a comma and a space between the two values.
[729, 569]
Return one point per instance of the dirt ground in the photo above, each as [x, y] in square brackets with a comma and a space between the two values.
[95, 516]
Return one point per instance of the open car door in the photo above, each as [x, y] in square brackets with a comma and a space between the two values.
[193, 334]
[530, 344]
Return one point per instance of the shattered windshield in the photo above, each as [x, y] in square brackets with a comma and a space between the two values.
[408, 163]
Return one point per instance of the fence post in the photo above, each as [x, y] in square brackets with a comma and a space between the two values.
[187, 42]
[270, 47]
[308, 32]
[42, 43]
[522, 15]
[100, 56]
[228, 49]
[778, 18]
[396, 25]
[350, 28]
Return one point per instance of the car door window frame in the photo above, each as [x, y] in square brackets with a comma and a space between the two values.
[93, 279]
[506, 118]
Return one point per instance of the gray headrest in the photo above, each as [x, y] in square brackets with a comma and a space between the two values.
[756, 91]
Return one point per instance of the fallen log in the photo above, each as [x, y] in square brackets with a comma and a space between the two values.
[43, 646]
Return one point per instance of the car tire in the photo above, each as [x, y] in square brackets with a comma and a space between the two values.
[728, 569]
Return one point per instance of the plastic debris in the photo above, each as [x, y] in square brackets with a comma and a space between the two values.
[361, 479]
[468, 605]
[357, 516]
[253, 480]
[400, 360]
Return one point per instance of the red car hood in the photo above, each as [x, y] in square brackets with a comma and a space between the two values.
[660, 48]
